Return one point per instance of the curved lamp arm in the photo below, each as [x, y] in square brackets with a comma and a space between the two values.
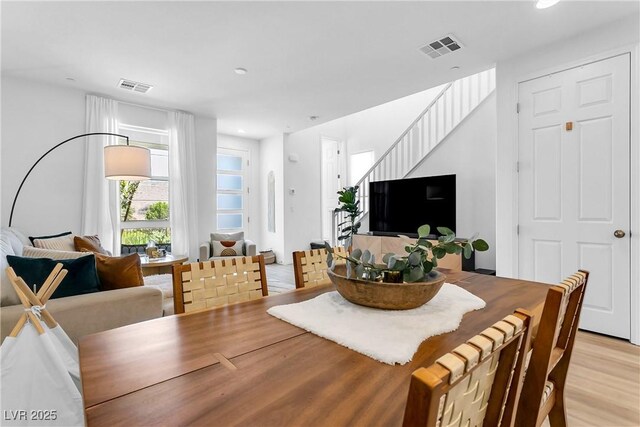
[13, 206]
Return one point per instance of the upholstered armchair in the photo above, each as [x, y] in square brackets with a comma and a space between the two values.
[222, 246]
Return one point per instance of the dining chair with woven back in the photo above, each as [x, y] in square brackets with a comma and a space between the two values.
[310, 267]
[207, 284]
[477, 384]
[546, 373]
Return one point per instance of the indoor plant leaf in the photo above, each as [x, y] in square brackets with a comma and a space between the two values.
[415, 274]
[445, 230]
[424, 230]
[468, 250]
[414, 258]
[480, 245]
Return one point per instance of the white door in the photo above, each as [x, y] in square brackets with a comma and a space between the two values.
[574, 178]
[232, 192]
[331, 184]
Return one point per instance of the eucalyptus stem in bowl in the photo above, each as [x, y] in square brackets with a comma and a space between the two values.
[419, 262]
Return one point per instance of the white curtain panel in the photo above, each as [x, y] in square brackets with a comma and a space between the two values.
[100, 213]
[182, 184]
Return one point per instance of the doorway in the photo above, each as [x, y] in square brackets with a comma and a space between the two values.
[574, 186]
[331, 183]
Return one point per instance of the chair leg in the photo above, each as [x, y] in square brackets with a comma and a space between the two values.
[558, 414]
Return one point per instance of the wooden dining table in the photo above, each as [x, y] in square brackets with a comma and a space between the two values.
[237, 365]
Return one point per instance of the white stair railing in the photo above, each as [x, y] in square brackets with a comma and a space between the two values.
[453, 104]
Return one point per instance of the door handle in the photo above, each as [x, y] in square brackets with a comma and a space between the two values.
[619, 234]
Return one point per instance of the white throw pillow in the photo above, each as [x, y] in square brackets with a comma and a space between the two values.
[31, 252]
[62, 243]
[227, 248]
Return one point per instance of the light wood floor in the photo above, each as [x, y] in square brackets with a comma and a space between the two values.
[603, 387]
[280, 278]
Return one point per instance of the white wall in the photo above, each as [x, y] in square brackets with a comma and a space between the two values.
[254, 198]
[303, 209]
[470, 153]
[372, 129]
[272, 159]
[206, 149]
[571, 52]
[35, 117]
[378, 127]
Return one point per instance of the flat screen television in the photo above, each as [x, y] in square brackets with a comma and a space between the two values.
[401, 206]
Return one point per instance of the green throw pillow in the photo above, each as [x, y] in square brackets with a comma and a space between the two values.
[81, 278]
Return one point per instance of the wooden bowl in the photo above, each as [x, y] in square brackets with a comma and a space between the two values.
[389, 296]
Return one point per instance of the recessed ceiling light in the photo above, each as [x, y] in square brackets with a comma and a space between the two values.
[455, 67]
[312, 118]
[543, 4]
[241, 131]
[241, 71]
[71, 79]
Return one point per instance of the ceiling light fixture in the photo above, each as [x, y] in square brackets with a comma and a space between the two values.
[71, 79]
[241, 131]
[312, 118]
[543, 4]
[455, 67]
[240, 71]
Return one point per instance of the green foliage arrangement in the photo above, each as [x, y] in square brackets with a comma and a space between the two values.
[419, 263]
[142, 236]
[157, 211]
[351, 206]
[127, 191]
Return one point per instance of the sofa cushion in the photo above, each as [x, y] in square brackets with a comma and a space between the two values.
[9, 296]
[119, 272]
[81, 278]
[62, 242]
[15, 238]
[227, 248]
[49, 236]
[227, 236]
[89, 244]
[24, 240]
[31, 252]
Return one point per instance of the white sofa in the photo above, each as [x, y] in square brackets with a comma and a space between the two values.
[81, 314]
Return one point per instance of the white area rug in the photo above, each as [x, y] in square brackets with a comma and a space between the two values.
[389, 336]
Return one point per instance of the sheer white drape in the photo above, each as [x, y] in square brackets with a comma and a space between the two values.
[100, 213]
[182, 184]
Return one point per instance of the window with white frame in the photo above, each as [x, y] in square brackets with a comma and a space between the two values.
[144, 205]
[359, 164]
[232, 188]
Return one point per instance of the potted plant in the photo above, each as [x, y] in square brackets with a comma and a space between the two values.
[399, 282]
[351, 206]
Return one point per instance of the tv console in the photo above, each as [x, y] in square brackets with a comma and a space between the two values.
[380, 245]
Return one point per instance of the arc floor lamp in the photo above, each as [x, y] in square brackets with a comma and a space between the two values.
[121, 162]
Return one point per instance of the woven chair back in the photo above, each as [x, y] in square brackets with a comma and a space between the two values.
[544, 383]
[310, 267]
[477, 383]
[208, 284]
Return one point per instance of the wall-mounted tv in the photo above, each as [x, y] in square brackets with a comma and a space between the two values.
[401, 206]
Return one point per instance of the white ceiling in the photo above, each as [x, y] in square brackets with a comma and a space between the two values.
[304, 58]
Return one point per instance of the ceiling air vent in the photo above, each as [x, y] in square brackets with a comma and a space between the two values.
[134, 86]
[441, 47]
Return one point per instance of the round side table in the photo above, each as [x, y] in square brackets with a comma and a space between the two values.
[162, 265]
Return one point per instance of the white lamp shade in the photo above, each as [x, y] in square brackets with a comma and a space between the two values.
[127, 163]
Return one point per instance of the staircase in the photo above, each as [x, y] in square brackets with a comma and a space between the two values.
[454, 103]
